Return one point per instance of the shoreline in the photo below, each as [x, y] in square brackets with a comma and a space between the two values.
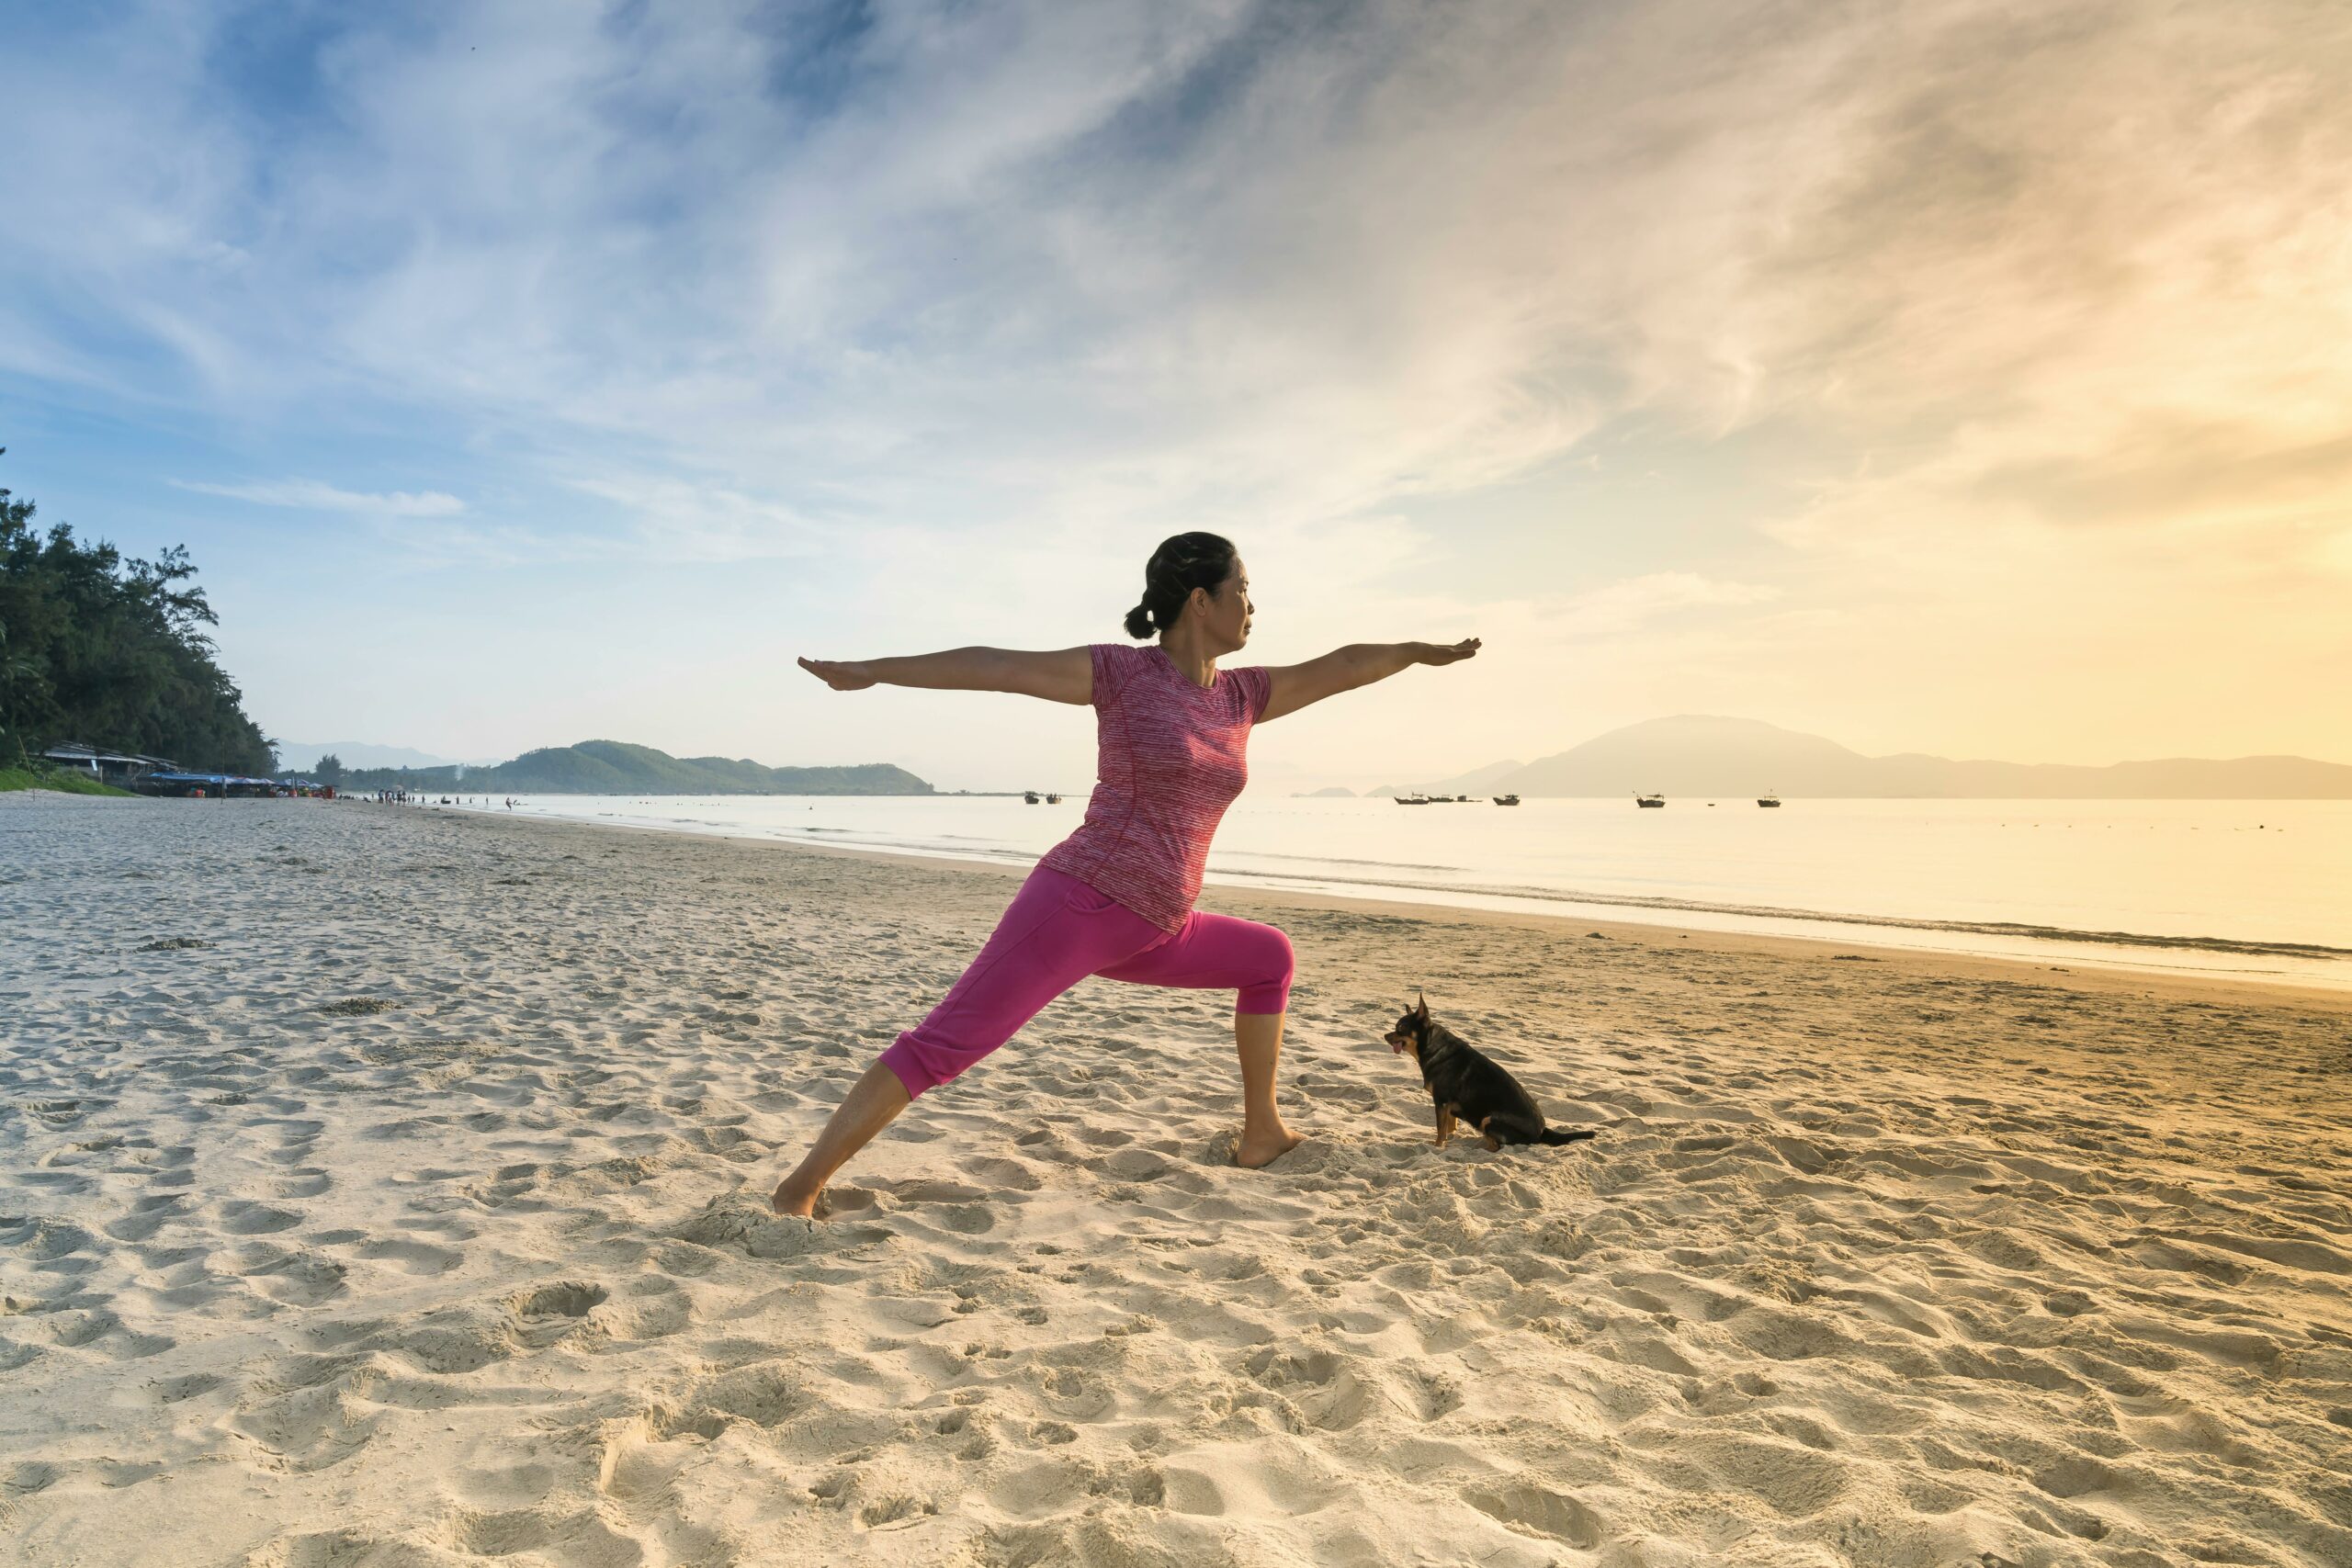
[1231, 899]
[2293, 970]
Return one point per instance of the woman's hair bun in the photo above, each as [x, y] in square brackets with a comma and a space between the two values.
[1139, 621]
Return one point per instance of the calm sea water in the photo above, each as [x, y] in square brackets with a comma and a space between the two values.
[2255, 889]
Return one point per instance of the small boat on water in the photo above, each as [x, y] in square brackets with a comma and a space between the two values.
[1411, 799]
[1029, 797]
[1506, 800]
[1053, 800]
[1769, 802]
[1650, 802]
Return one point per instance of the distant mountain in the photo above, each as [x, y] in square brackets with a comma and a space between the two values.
[613, 767]
[301, 756]
[1699, 755]
[1335, 792]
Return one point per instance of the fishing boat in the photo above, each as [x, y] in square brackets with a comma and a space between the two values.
[1769, 802]
[1650, 802]
[1506, 800]
[1029, 797]
[1053, 800]
[1411, 799]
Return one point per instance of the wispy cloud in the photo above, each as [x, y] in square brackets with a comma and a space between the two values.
[684, 521]
[309, 495]
[1623, 606]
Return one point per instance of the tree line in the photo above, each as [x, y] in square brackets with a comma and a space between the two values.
[112, 650]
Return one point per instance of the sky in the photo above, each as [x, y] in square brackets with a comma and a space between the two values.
[1944, 376]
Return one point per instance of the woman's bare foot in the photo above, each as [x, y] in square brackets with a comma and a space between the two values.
[1256, 1148]
[784, 1200]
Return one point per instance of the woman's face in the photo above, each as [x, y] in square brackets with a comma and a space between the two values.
[1229, 612]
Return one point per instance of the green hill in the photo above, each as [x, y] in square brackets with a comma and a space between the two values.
[615, 767]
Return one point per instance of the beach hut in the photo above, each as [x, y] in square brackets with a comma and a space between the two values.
[122, 768]
[177, 783]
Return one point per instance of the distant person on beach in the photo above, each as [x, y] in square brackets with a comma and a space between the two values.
[1116, 898]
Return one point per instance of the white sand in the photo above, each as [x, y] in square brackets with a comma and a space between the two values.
[418, 1218]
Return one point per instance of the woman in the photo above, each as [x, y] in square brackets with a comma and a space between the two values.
[1116, 898]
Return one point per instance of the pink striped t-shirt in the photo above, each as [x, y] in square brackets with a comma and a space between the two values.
[1170, 757]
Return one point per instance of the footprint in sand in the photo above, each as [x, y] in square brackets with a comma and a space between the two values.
[174, 1390]
[61, 1183]
[1004, 1174]
[1333, 1391]
[147, 1216]
[412, 1256]
[298, 1279]
[242, 1217]
[570, 1298]
[174, 1167]
[764, 1394]
[662, 1309]
[101, 1333]
[307, 1428]
[43, 1239]
[1530, 1510]
[454, 1339]
[307, 1182]
[960, 1207]
[575, 1536]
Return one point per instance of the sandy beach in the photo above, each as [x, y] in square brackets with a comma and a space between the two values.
[386, 1186]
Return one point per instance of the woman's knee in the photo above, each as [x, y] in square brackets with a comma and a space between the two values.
[1271, 991]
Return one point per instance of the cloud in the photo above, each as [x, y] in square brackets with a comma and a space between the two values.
[309, 495]
[1623, 606]
[974, 303]
[682, 520]
[1021, 260]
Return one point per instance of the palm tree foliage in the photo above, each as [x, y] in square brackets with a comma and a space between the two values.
[112, 650]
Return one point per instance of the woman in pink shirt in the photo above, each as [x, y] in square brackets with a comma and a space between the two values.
[1116, 898]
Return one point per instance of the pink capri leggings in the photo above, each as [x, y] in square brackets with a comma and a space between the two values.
[1059, 930]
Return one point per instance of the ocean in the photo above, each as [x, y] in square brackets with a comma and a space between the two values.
[2258, 890]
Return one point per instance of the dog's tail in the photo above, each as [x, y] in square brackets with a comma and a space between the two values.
[1554, 1135]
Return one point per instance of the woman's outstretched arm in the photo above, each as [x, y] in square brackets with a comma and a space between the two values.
[1358, 664]
[1066, 676]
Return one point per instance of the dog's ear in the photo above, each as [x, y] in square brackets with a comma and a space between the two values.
[1422, 1006]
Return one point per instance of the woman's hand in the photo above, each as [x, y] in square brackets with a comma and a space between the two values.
[1448, 653]
[840, 676]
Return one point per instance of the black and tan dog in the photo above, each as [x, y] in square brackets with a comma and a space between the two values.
[1465, 1083]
